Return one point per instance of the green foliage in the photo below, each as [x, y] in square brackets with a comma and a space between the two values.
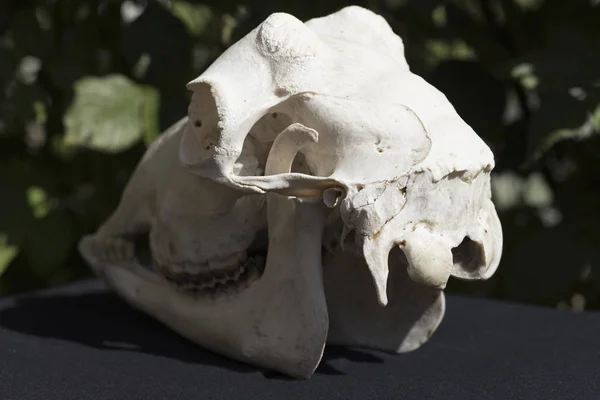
[7, 253]
[197, 18]
[85, 85]
[111, 114]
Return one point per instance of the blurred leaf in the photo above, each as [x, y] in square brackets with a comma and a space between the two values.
[536, 192]
[511, 191]
[529, 4]
[441, 50]
[111, 114]
[7, 252]
[590, 127]
[196, 17]
[29, 69]
[34, 223]
[38, 201]
[230, 23]
[566, 115]
[438, 16]
[141, 67]
[151, 115]
[39, 110]
[526, 75]
[15, 221]
[507, 190]
[130, 11]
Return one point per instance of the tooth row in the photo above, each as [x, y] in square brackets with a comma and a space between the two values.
[226, 264]
[203, 281]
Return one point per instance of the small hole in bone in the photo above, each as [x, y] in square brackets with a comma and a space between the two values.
[197, 123]
[379, 149]
[280, 92]
[274, 115]
[331, 197]
[468, 256]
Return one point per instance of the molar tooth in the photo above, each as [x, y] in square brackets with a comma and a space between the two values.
[237, 258]
[195, 267]
[230, 276]
[228, 262]
[217, 265]
[219, 275]
[209, 283]
[222, 281]
[236, 276]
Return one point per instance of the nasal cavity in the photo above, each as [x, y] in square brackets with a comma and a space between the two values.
[468, 258]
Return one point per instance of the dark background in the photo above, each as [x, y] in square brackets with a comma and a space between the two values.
[86, 85]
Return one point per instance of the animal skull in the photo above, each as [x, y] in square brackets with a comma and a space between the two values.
[303, 137]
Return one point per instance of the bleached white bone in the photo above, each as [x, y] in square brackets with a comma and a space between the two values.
[395, 185]
[345, 75]
[280, 321]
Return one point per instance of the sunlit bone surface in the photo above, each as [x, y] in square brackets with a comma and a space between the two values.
[318, 192]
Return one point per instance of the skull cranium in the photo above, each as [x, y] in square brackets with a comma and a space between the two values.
[303, 137]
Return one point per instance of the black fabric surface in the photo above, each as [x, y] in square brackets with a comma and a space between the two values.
[80, 342]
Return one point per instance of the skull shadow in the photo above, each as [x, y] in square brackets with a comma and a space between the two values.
[100, 319]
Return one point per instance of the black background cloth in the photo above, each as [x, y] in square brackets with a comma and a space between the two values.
[81, 342]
